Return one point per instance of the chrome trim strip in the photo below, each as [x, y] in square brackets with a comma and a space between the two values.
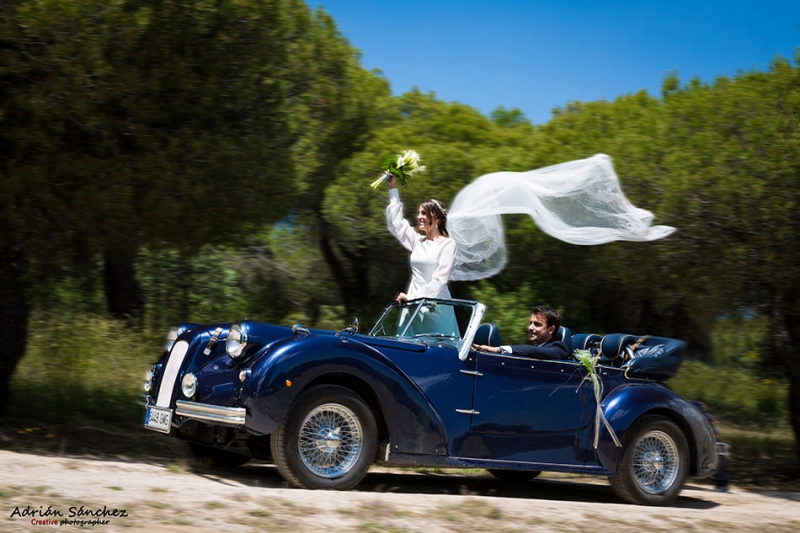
[170, 375]
[211, 413]
[472, 329]
[471, 372]
[468, 411]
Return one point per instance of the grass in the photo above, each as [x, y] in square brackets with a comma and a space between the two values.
[735, 394]
[83, 366]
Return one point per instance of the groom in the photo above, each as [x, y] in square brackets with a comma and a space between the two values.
[544, 323]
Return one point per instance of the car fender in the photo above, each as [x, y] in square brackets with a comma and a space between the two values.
[628, 402]
[288, 367]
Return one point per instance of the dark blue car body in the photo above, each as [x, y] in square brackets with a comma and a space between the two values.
[326, 405]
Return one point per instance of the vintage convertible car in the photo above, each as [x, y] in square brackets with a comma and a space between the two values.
[324, 406]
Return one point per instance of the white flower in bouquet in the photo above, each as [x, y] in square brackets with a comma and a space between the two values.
[586, 359]
[402, 167]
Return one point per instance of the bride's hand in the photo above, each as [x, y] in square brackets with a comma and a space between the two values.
[401, 298]
[391, 181]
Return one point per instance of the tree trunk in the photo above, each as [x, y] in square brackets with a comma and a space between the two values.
[340, 274]
[124, 297]
[14, 317]
[785, 332]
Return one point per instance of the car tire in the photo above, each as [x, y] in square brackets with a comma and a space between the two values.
[215, 457]
[327, 441]
[514, 476]
[654, 463]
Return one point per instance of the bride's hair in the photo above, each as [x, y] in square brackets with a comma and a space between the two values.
[435, 209]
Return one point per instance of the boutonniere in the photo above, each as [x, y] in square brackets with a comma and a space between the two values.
[402, 166]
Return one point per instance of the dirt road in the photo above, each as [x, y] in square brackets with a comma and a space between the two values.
[39, 492]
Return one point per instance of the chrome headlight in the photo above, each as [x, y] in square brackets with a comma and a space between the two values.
[148, 380]
[189, 385]
[237, 341]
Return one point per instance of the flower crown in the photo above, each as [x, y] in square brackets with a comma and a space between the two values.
[440, 206]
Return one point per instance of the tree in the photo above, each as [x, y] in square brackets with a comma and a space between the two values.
[736, 169]
[151, 122]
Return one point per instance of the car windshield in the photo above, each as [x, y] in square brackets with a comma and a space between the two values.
[427, 320]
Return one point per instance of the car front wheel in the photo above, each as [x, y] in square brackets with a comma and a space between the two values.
[654, 464]
[328, 440]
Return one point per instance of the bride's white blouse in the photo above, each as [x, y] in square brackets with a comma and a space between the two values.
[431, 260]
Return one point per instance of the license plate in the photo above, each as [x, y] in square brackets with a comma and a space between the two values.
[158, 419]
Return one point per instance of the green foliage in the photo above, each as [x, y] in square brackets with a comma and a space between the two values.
[736, 395]
[738, 385]
[739, 342]
[277, 278]
[734, 183]
[83, 367]
[167, 121]
[200, 288]
[510, 311]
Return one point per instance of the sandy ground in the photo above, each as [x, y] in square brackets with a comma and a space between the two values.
[38, 492]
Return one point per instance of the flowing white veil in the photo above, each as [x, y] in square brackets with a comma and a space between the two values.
[579, 202]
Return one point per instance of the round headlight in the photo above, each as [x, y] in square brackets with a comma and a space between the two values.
[236, 342]
[148, 380]
[189, 385]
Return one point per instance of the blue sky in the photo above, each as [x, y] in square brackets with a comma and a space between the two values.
[535, 55]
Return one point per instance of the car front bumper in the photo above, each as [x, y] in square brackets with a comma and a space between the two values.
[205, 412]
[211, 413]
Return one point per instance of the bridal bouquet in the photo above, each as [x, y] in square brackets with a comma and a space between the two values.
[403, 166]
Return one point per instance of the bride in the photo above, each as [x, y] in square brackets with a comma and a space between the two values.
[433, 255]
[432, 250]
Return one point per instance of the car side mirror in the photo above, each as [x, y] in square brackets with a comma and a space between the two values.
[352, 328]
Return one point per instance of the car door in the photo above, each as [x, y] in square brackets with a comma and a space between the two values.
[530, 410]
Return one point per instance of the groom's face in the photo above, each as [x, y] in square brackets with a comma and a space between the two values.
[538, 329]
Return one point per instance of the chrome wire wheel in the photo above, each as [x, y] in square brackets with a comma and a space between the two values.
[331, 440]
[328, 439]
[656, 462]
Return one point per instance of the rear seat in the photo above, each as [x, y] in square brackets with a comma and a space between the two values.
[587, 341]
[612, 348]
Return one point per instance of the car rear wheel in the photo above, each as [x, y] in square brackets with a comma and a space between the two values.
[654, 463]
[514, 476]
[328, 440]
